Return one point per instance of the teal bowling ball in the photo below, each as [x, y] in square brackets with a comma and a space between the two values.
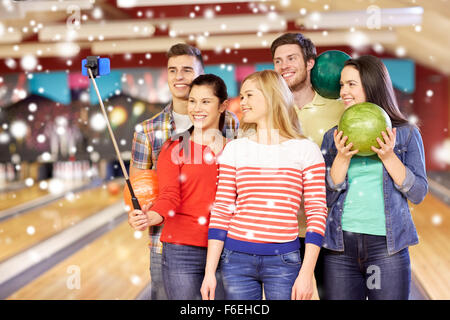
[326, 73]
[362, 123]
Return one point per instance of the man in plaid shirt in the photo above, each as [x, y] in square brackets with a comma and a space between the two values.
[184, 64]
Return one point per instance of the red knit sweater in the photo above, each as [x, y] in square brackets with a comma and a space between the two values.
[187, 188]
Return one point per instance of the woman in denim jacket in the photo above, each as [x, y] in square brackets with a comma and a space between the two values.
[369, 225]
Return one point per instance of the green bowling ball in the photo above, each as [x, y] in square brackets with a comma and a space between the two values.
[362, 123]
[326, 73]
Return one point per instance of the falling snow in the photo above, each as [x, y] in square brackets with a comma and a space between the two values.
[202, 220]
[19, 129]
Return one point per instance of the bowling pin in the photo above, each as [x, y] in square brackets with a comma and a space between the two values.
[10, 172]
[78, 171]
[57, 173]
[2, 175]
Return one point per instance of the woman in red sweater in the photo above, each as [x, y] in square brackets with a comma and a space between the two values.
[187, 177]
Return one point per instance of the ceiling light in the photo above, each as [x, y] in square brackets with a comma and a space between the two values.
[375, 18]
[110, 30]
[235, 24]
[153, 3]
[134, 46]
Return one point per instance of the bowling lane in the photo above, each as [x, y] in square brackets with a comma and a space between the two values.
[115, 266]
[23, 231]
[46, 189]
[14, 198]
[430, 259]
[18, 191]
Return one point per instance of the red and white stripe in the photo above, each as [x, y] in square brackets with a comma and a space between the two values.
[260, 204]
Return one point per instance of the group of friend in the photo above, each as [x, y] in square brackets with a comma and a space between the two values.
[279, 202]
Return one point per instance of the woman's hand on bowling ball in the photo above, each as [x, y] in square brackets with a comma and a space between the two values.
[386, 149]
[138, 220]
[344, 151]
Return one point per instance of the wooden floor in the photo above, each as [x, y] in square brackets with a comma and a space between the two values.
[115, 266]
[20, 232]
[430, 259]
[14, 198]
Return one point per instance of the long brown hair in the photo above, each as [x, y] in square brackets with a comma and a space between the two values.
[280, 102]
[377, 86]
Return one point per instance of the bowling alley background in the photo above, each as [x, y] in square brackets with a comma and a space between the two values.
[63, 228]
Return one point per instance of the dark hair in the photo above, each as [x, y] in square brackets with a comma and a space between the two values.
[181, 49]
[219, 89]
[377, 86]
[308, 49]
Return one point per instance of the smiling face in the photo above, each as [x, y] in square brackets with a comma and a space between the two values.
[204, 108]
[253, 103]
[182, 70]
[289, 63]
[352, 91]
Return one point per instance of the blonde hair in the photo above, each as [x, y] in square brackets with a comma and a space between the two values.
[280, 103]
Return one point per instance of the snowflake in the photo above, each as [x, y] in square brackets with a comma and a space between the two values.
[31, 230]
[182, 178]
[70, 196]
[28, 62]
[209, 14]
[29, 182]
[309, 176]
[136, 280]
[32, 107]
[209, 158]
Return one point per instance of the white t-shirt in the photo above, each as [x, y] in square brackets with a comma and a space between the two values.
[182, 122]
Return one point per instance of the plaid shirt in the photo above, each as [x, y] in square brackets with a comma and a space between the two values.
[148, 141]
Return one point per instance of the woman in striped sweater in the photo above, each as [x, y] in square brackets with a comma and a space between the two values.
[253, 229]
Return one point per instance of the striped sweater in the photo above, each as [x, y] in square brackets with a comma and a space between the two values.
[259, 193]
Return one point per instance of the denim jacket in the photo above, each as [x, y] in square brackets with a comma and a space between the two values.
[400, 229]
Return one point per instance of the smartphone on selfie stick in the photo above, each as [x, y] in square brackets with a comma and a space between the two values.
[94, 66]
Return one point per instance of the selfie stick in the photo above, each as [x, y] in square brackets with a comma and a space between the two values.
[92, 64]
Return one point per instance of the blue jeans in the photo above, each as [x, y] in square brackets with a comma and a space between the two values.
[157, 286]
[244, 275]
[183, 269]
[366, 270]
